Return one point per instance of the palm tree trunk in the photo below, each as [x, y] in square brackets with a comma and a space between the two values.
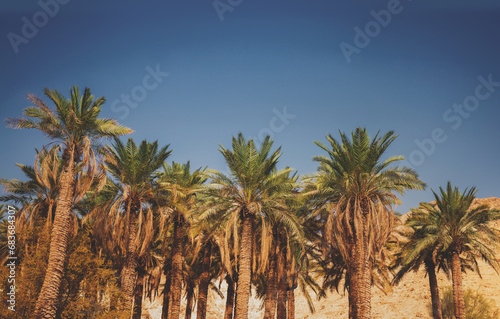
[46, 305]
[189, 301]
[353, 293]
[204, 282]
[458, 294]
[364, 274]
[176, 280]
[282, 286]
[167, 267]
[292, 285]
[291, 303]
[129, 271]
[433, 284]
[356, 268]
[245, 268]
[282, 299]
[228, 314]
[366, 290]
[272, 287]
[139, 292]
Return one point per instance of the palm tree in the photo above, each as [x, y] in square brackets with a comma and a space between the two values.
[178, 187]
[252, 191]
[464, 232]
[148, 262]
[229, 309]
[74, 125]
[357, 189]
[209, 229]
[127, 216]
[207, 258]
[286, 248]
[423, 248]
[271, 297]
[38, 195]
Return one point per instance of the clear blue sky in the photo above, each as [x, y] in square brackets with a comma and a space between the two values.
[234, 68]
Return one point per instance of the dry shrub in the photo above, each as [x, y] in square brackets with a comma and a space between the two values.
[477, 306]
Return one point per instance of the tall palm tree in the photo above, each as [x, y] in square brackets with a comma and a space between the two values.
[178, 187]
[126, 215]
[148, 262]
[252, 191]
[37, 195]
[423, 248]
[271, 297]
[464, 232]
[207, 258]
[357, 188]
[74, 125]
[229, 308]
[286, 246]
[211, 229]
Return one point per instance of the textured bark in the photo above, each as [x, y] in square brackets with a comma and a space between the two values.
[245, 268]
[139, 292]
[176, 281]
[272, 286]
[129, 271]
[353, 294]
[189, 301]
[291, 304]
[364, 273]
[458, 294]
[201, 312]
[167, 267]
[282, 286]
[356, 275]
[228, 314]
[366, 290]
[433, 284]
[46, 305]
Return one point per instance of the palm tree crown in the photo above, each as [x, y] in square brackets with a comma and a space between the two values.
[72, 121]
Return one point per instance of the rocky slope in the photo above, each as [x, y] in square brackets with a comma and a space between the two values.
[410, 299]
